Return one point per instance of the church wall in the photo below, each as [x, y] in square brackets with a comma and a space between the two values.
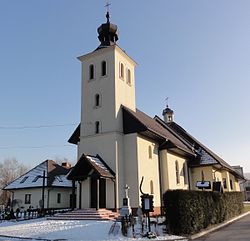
[102, 144]
[196, 175]
[125, 91]
[102, 85]
[149, 168]
[164, 170]
[171, 160]
[131, 168]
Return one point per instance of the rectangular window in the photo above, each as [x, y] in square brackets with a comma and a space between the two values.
[185, 176]
[27, 199]
[58, 197]
[231, 184]
[224, 180]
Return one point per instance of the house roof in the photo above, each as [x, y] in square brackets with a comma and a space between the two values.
[88, 166]
[141, 123]
[54, 173]
[207, 157]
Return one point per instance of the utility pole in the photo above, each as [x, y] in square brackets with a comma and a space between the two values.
[43, 189]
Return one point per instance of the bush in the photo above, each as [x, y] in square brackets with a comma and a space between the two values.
[188, 212]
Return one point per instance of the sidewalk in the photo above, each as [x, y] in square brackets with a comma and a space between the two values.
[217, 227]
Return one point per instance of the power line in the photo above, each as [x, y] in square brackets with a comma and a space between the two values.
[35, 127]
[34, 147]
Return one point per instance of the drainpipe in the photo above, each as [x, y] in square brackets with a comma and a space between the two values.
[160, 182]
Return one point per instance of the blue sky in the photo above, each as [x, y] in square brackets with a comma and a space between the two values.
[195, 52]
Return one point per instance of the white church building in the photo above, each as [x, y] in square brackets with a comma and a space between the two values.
[119, 144]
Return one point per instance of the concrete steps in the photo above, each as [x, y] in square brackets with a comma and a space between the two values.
[86, 214]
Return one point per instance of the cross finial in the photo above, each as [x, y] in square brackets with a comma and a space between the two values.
[107, 15]
[167, 101]
[107, 6]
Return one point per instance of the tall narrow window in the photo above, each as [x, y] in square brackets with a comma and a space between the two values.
[231, 184]
[58, 197]
[104, 68]
[150, 152]
[151, 187]
[27, 199]
[91, 71]
[185, 176]
[97, 127]
[97, 100]
[224, 180]
[122, 70]
[129, 77]
[177, 172]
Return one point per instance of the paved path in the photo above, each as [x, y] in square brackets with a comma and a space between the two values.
[237, 231]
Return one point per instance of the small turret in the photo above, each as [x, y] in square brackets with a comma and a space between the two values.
[168, 114]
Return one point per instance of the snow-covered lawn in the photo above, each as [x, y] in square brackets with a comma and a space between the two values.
[63, 230]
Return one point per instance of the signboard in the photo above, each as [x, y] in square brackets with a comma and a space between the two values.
[203, 184]
[147, 203]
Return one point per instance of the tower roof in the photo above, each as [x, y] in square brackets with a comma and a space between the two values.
[167, 110]
[107, 33]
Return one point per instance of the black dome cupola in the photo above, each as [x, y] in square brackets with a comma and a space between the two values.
[107, 33]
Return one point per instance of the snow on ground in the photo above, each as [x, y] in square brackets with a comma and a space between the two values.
[64, 230]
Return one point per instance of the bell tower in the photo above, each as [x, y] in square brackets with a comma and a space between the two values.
[107, 84]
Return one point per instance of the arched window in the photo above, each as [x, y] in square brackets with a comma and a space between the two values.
[104, 68]
[129, 77]
[122, 70]
[150, 152]
[151, 187]
[97, 127]
[91, 71]
[97, 100]
[185, 176]
[177, 172]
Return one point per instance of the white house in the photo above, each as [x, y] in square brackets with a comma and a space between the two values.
[46, 183]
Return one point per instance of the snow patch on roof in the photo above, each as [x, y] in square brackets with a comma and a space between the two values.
[29, 177]
[62, 181]
[98, 162]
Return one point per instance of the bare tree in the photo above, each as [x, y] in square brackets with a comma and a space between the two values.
[10, 169]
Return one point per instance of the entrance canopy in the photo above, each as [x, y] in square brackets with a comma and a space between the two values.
[90, 166]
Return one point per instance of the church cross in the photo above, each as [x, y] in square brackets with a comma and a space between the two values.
[107, 15]
[107, 6]
[167, 101]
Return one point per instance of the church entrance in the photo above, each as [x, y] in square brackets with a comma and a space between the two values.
[98, 193]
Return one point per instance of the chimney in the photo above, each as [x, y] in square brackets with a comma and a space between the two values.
[66, 165]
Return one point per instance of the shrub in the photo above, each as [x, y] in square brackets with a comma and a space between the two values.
[188, 212]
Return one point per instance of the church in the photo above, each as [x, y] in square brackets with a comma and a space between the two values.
[119, 145]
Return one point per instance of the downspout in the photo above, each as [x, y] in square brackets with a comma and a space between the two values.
[160, 182]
